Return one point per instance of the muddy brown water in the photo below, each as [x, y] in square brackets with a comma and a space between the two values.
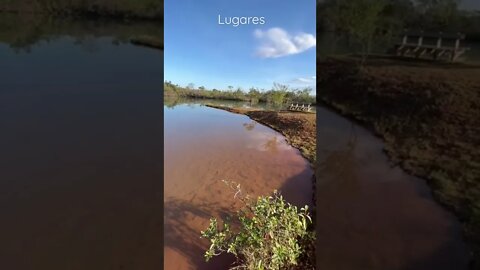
[204, 146]
[80, 156]
[372, 215]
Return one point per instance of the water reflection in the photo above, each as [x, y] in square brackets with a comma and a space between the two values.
[339, 162]
[250, 126]
[23, 32]
[266, 140]
[272, 145]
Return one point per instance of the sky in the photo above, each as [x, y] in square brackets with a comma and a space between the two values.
[470, 4]
[199, 50]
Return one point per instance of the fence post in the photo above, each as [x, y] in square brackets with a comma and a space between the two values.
[420, 39]
[439, 40]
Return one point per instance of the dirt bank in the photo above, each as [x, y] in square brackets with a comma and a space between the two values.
[429, 116]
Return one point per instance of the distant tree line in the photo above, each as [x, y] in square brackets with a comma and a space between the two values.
[146, 9]
[369, 22]
[278, 94]
[22, 31]
[394, 15]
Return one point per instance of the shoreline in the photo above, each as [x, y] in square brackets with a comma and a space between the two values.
[433, 138]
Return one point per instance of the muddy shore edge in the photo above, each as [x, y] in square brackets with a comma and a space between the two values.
[428, 115]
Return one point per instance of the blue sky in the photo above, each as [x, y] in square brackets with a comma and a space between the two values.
[198, 50]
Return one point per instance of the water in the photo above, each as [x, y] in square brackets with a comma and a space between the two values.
[204, 146]
[371, 214]
[81, 149]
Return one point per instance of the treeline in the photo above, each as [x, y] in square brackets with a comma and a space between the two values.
[395, 15]
[279, 94]
[142, 9]
[22, 31]
[371, 22]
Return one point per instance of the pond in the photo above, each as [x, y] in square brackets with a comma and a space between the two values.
[204, 146]
[370, 213]
[81, 149]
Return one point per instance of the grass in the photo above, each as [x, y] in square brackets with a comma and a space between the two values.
[429, 117]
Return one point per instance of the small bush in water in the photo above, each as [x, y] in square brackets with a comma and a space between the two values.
[268, 235]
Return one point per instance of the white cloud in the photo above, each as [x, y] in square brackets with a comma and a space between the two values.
[305, 80]
[276, 42]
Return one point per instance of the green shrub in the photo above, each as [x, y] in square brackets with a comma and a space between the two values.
[265, 234]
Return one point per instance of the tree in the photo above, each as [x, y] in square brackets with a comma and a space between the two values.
[238, 94]
[304, 95]
[395, 17]
[439, 14]
[280, 87]
[254, 95]
[278, 93]
[356, 18]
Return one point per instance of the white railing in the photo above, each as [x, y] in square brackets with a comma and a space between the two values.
[299, 108]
